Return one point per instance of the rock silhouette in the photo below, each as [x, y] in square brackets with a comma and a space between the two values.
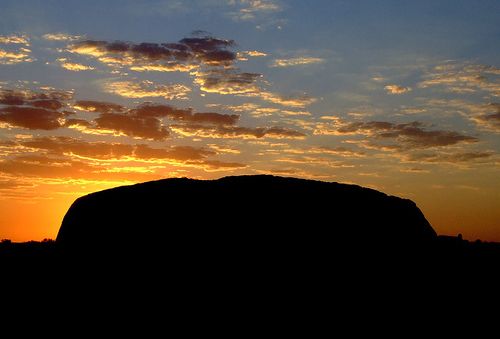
[242, 218]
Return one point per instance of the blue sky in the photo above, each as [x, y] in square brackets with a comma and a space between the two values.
[401, 96]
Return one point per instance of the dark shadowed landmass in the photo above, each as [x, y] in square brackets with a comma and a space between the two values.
[248, 222]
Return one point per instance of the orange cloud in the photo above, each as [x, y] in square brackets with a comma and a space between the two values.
[396, 89]
[237, 132]
[71, 66]
[98, 106]
[14, 39]
[146, 88]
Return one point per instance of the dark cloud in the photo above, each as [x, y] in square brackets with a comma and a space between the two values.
[52, 104]
[50, 99]
[408, 135]
[134, 126]
[32, 117]
[171, 56]
[186, 115]
[237, 132]
[11, 97]
[98, 106]
[227, 82]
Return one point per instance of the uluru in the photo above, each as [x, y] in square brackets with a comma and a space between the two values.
[250, 216]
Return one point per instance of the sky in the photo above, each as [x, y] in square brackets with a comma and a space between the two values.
[399, 96]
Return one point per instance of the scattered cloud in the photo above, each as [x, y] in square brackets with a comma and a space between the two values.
[32, 117]
[17, 39]
[147, 89]
[251, 9]
[290, 101]
[26, 109]
[447, 157]
[15, 57]
[13, 53]
[396, 89]
[402, 136]
[232, 132]
[490, 119]
[299, 61]
[463, 78]
[184, 55]
[406, 135]
[98, 106]
[71, 66]
[133, 126]
[227, 82]
[243, 55]
[61, 37]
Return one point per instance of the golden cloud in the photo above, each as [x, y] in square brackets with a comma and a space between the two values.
[146, 89]
[396, 89]
[299, 61]
[61, 37]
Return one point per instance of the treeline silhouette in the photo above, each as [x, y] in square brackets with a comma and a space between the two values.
[445, 250]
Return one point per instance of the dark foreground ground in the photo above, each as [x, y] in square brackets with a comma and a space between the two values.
[444, 251]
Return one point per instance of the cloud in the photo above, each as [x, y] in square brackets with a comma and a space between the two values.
[147, 89]
[484, 116]
[71, 66]
[237, 132]
[463, 78]
[21, 97]
[15, 54]
[407, 135]
[291, 101]
[300, 61]
[217, 165]
[34, 110]
[184, 115]
[98, 106]
[133, 126]
[243, 55]
[245, 84]
[181, 153]
[225, 82]
[490, 119]
[396, 89]
[15, 39]
[458, 157]
[251, 9]
[15, 57]
[338, 151]
[76, 158]
[183, 55]
[59, 146]
[32, 117]
[144, 121]
[402, 136]
[61, 37]
[65, 145]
